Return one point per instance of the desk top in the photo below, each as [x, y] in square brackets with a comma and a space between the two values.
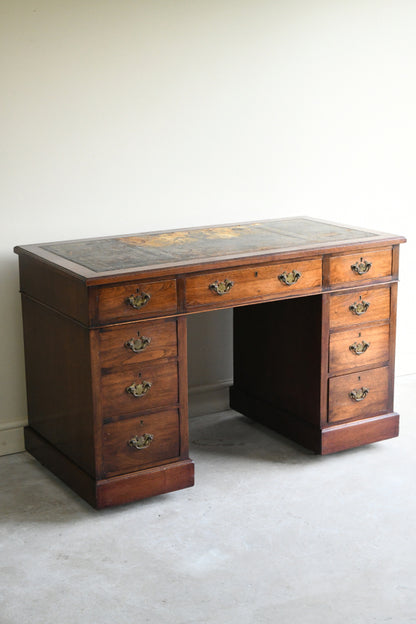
[110, 256]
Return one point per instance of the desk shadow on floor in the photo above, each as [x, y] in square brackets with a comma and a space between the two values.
[230, 434]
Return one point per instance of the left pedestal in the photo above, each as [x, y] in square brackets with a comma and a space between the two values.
[107, 405]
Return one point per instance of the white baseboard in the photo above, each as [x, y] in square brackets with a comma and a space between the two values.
[209, 399]
[11, 438]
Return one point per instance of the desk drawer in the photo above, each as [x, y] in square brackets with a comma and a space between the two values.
[133, 343]
[139, 388]
[359, 306]
[133, 301]
[361, 346]
[360, 266]
[228, 287]
[359, 395]
[139, 442]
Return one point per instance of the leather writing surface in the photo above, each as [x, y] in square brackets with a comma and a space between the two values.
[125, 252]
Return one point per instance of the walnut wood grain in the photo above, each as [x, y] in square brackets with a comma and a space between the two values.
[111, 302]
[340, 270]
[135, 486]
[112, 341]
[255, 283]
[342, 357]
[342, 407]
[117, 401]
[58, 382]
[340, 314]
[119, 457]
[348, 435]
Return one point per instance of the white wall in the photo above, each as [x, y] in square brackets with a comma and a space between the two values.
[125, 116]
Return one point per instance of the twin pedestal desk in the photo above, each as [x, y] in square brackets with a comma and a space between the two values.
[106, 356]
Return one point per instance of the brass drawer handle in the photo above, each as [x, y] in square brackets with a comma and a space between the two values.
[361, 267]
[359, 307]
[138, 301]
[359, 347]
[141, 442]
[138, 344]
[359, 395]
[221, 288]
[289, 278]
[140, 389]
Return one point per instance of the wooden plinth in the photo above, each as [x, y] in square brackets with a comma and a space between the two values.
[116, 490]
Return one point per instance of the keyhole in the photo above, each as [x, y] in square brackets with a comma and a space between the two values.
[256, 273]
[359, 378]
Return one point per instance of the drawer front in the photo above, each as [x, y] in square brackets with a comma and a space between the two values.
[360, 306]
[359, 395]
[362, 346]
[133, 343]
[128, 391]
[132, 301]
[139, 442]
[226, 288]
[360, 266]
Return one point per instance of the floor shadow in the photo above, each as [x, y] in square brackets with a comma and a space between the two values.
[231, 434]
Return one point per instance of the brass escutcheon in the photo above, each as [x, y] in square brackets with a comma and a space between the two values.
[359, 307]
[141, 442]
[359, 347]
[139, 300]
[137, 344]
[358, 395]
[289, 278]
[361, 267]
[221, 288]
[139, 389]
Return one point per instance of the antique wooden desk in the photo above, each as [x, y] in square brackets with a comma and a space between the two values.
[106, 357]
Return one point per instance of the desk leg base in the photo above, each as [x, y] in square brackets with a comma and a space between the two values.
[118, 490]
[359, 432]
[324, 441]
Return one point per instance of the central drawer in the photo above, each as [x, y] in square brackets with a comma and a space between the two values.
[229, 287]
[138, 388]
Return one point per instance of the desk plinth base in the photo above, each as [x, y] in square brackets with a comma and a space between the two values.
[118, 490]
[323, 441]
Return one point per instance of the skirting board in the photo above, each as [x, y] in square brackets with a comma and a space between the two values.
[11, 438]
[209, 399]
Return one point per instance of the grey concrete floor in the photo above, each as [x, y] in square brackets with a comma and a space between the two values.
[269, 534]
